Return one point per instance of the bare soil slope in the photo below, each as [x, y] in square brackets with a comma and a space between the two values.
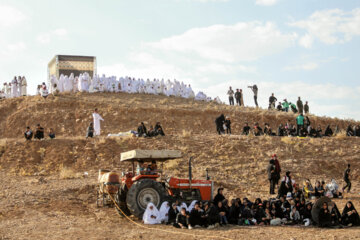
[45, 194]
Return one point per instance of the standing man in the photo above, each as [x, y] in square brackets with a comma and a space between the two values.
[255, 90]
[231, 96]
[285, 105]
[300, 106]
[299, 123]
[306, 107]
[23, 86]
[271, 175]
[347, 179]
[272, 101]
[238, 97]
[97, 118]
[241, 98]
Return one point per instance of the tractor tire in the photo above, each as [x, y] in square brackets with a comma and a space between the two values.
[143, 192]
[120, 199]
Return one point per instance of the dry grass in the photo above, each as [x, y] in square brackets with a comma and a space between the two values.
[288, 140]
[186, 133]
[3, 144]
[42, 152]
[67, 173]
[341, 135]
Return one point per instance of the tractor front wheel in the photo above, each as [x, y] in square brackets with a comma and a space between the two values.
[143, 192]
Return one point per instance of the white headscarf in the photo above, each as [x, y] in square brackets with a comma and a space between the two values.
[183, 205]
[192, 205]
[149, 215]
[164, 209]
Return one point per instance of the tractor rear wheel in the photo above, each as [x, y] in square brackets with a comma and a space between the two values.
[143, 192]
[120, 200]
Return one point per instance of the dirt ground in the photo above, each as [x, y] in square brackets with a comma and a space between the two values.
[45, 193]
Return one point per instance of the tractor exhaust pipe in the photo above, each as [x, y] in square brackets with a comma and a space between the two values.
[190, 171]
[207, 174]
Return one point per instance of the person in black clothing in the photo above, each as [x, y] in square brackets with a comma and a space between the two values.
[319, 190]
[319, 132]
[281, 130]
[142, 131]
[28, 134]
[238, 97]
[349, 215]
[246, 129]
[349, 131]
[335, 216]
[260, 215]
[279, 107]
[234, 212]
[328, 131]
[272, 101]
[271, 175]
[257, 130]
[158, 129]
[219, 121]
[173, 212]
[324, 216]
[90, 131]
[151, 132]
[222, 213]
[51, 133]
[347, 179]
[219, 197]
[307, 122]
[182, 220]
[228, 125]
[255, 90]
[196, 216]
[211, 213]
[357, 131]
[39, 133]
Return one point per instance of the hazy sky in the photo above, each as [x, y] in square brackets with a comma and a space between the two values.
[307, 48]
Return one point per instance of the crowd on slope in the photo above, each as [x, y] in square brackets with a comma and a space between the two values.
[39, 133]
[16, 88]
[292, 206]
[301, 127]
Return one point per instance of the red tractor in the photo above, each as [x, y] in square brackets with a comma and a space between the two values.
[143, 184]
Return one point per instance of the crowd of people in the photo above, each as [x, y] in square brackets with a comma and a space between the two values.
[84, 83]
[291, 209]
[16, 88]
[300, 127]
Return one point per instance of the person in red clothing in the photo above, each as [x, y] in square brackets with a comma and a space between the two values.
[277, 168]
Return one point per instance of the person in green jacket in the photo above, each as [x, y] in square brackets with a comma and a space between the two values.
[285, 105]
[299, 123]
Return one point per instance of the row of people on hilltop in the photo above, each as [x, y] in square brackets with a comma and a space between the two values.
[84, 83]
[287, 210]
[39, 133]
[302, 128]
[353, 131]
[152, 132]
[298, 108]
[16, 88]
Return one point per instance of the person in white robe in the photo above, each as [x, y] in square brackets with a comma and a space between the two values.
[67, 84]
[151, 215]
[217, 100]
[8, 90]
[76, 84]
[191, 206]
[200, 96]
[80, 83]
[164, 210]
[14, 87]
[97, 118]
[61, 82]
[183, 205]
[23, 86]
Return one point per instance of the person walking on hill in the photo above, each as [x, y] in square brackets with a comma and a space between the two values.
[299, 105]
[299, 123]
[306, 107]
[347, 179]
[271, 175]
[97, 118]
[231, 96]
[255, 90]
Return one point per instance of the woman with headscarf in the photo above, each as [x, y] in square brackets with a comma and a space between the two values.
[219, 197]
[164, 211]
[349, 215]
[182, 205]
[191, 206]
[172, 213]
[151, 215]
[324, 216]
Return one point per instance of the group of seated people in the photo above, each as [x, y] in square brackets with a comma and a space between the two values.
[353, 131]
[146, 169]
[152, 132]
[288, 130]
[289, 210]
[39, 133]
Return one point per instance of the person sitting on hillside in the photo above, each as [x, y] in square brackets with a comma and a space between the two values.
[182, 219]
[257, 130]
[219, 197]
[90, 131]
[303, 132]
[151, 215]
[279, 107]
[195, 218]
[51, 133]
[158, 129]
[349, 131]
[151, 132]
[266, 129]
[141, 131]
[319, 132]
[228, 125]
[44, 92]
[324, 216]
[293, 108]
[172, 213]
[319, 189]
[350, 216]
[328, 131]
[281, 130]
[312, 132]
[28, 134]
[219, 121]
[39, 133]
[308, 189]
[357, 131]
[246, 129]
[332, 190]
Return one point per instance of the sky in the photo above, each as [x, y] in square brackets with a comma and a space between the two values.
[307, 48]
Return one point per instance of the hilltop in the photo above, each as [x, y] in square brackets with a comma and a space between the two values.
[46, 180]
